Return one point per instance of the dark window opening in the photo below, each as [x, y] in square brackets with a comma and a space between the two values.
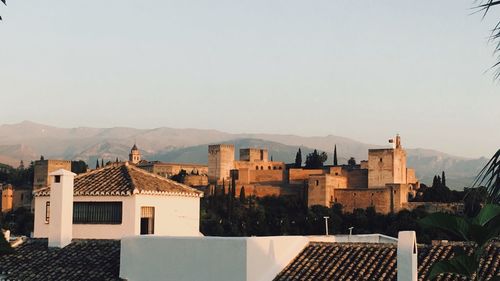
[147, 220]
[97, 212]
[57, 179]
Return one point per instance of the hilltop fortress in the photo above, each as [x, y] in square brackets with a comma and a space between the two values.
[383, 181]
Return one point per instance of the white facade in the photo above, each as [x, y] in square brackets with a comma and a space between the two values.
[207, 258]
[174, 216]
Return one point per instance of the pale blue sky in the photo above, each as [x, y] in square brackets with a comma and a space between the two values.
[359, 69]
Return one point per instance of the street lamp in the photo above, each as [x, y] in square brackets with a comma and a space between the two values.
[326, 224]
[350, 233]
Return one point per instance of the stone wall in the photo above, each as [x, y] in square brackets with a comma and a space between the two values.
[298, 175]
[196, 180]
[321, 189]
[42, 168]
[351, 199]
[170, 169]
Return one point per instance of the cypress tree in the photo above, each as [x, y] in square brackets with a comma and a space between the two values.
[242, 195]
[102, 162]
[443, 179]
[116, 160]
[434, 181]
[97, 163]
[298, 159]
[335, 162]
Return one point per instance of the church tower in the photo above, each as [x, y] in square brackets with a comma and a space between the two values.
[135, 155]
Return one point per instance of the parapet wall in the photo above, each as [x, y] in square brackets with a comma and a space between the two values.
[190, 258]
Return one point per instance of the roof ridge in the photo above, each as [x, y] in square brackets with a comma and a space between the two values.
[128, 167]
[98, 169]
[162, 178]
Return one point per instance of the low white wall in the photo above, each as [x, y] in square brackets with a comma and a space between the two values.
[207, 258]
[357, 238]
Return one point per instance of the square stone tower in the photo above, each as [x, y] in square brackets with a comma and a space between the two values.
[254, 154]
[43, 168]
[387, 165]
[220, 162]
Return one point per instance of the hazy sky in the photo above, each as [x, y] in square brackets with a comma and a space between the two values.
[359, 69]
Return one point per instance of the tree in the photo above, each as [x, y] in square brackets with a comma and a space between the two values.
[97, 163]
[242, 195]
[351, 161]
[443, 179]
[335, 162]
[298, 159]
[315, 159]
[481, 230]
[102, 162]
[79, 166]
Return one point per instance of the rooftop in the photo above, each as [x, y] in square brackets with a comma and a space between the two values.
[371, 261]
[80, 260]
[122, 179]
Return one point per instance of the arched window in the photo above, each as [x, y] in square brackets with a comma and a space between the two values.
[256, 167]
[317, 182]
[269, 167]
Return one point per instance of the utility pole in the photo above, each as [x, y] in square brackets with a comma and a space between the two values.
[326, 224]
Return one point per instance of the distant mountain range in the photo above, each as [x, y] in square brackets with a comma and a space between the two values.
[27, 141]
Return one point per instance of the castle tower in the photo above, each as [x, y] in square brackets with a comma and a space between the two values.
[220, 162]
[42, 169]
[387, 165]
[135, 155]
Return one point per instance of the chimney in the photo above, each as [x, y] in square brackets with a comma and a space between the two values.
[407, 258]
[61, 208]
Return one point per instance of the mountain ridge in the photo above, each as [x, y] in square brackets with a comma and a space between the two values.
[164, 143]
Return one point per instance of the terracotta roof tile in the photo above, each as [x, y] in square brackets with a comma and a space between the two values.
[80, 260]
[121, 179]
[360, 261]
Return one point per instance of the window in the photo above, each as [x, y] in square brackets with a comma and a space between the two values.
[147, 220]
[47, 211]
[57, 179]
[269, 167]
[97, 212]
[317, 182]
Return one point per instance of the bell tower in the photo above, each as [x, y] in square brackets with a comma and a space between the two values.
[135, 155]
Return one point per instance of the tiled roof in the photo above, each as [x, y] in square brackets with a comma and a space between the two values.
[123, 179]
[358, 261]
[80, 260]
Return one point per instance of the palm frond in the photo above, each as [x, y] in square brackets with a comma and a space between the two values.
[489, 176]
[484, 6]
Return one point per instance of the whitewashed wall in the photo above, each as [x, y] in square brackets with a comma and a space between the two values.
[174, 215]
[207, 258]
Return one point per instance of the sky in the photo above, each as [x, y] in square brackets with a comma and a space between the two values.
[359, 69]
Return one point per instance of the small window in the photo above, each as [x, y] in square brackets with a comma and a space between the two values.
[256, 167]
[380, 159]
[47, 211]
[147, 220]
[57, 179]
[269, 167]
[317, 182]
[279, 168]
[261, 167]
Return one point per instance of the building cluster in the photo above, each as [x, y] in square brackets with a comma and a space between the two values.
[383, 181]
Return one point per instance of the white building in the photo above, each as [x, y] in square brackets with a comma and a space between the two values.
[116, 201]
